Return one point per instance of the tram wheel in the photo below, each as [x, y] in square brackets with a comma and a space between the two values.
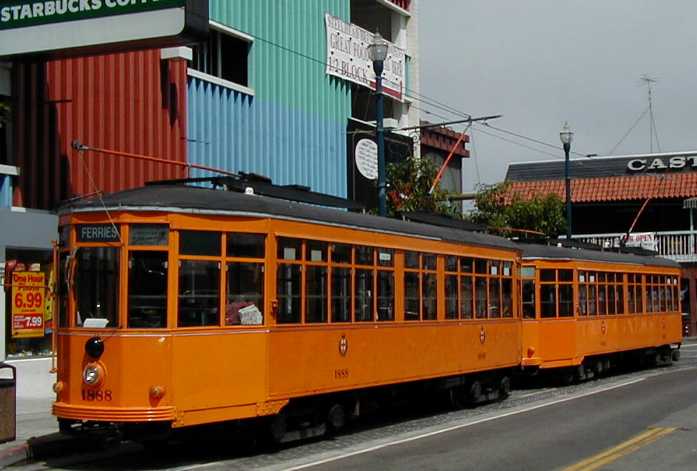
[580, 373]
[457, 397]
[277, 428]
[336, 418]
[504, 387]
[475, 392]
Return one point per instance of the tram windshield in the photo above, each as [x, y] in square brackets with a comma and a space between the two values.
[97, 287]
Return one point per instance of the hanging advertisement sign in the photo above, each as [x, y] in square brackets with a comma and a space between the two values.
[645, 240]
[347, 57]
[67, 26]
[28, 304]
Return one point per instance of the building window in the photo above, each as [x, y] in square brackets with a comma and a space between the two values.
[225, 55]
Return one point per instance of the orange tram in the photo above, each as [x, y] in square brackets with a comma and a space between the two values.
[585, 311]
[182, 306]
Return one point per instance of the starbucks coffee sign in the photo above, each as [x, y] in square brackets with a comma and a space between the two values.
[657, 164]
[41, 26]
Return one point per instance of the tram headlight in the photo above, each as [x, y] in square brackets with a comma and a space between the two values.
[92, 374]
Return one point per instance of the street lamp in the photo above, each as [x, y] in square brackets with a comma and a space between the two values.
[566, 136]
[377, 52]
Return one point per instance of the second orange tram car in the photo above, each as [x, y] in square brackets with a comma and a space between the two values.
[183, 306]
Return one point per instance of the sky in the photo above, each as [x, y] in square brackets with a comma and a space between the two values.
[540, 63]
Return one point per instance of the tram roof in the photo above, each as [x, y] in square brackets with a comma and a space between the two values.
[546, 252]
[196, 200]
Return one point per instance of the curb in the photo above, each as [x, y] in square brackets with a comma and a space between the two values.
[14, 455]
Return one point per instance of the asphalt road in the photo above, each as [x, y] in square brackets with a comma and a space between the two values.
[633, 421]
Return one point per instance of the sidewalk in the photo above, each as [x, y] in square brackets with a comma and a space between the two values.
[34, 419]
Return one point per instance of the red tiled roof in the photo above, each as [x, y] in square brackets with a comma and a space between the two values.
[587, 190]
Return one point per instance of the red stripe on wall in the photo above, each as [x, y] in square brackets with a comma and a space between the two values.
[130, 102]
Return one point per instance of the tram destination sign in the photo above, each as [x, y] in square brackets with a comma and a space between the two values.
[97, 233]
[74, 26]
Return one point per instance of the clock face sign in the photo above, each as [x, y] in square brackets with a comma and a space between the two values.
[367, 158]
[343, 345]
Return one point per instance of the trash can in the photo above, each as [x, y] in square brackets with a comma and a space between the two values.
[8, 404]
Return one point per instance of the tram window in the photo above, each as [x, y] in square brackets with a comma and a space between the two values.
[341, 294]
[341, 253]
[97, 285]
[548, 275]
[466, 297]
[480, 306]
[385, 296]
[548, 301]
[428, 281]
[451, 296]
[619, 293]
[411, 296]
[429, 262]
[450, 263]
[385, 257]
[316, 294]
[507, 269]
[611, 300]
[199, 243]
[411, 259]
[480, 266]
[148, 234]
[364, 296]
[528, 296]
[199, 293]
[494, 268]
[466, 265]
[582, 299]
[364, 255]
[242, 245]
[566, 300]
[317, 251]
[288, 291]
[494, 297]
[290, 249]
[147, 289]
[65, 263]
[664, 297]
[639, 299]
[507, 291]
[592, 300]
[566, 275]
[631, 300]
[602, 310]
[245, 294]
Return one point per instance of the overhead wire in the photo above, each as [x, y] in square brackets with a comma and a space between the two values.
[631, 128]
[428, 101]
[531, 139]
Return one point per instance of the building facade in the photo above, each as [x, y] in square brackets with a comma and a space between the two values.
[257, 97]
[642, 200]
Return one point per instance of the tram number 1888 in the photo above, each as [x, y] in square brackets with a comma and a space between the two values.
[96, 395]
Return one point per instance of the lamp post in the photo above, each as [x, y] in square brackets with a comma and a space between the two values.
[566, 136]
[377, 52]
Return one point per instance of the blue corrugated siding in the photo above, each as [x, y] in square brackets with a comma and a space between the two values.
[294, 128]
[5, 191]
[233, 131]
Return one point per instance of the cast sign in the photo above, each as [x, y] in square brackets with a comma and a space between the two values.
[674, 163]
[347, 57]
[28, 304]
[32, 26]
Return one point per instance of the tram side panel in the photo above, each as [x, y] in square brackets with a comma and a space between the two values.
[304, 362]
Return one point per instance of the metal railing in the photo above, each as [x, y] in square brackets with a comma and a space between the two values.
[680, 246]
